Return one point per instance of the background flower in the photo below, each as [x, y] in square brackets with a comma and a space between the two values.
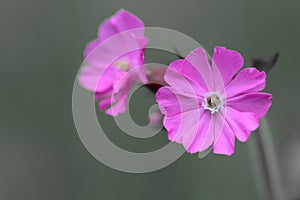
[116, 56]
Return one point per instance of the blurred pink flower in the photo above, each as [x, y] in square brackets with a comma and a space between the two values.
[155, 119]
[208, 105]
[114, 61]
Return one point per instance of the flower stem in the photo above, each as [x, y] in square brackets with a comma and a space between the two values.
[270, 184]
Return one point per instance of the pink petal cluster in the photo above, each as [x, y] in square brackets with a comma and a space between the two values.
[114, 61]
[209, 105]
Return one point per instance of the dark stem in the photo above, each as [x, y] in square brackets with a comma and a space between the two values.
[268, 169]
[271, 185]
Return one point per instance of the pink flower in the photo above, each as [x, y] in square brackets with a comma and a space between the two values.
[155, 119]
[114, 61]
[208, 105]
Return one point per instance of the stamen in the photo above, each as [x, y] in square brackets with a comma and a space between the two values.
[122, 65]
[213, 102]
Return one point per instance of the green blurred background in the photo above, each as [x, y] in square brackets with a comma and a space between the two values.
[41, 44]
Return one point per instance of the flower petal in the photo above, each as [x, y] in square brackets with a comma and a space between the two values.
[118, 107]
[177, 79]
[124, 20]
[103, 95]
[225, 143]
[198, 69]
[103, 104]
[172, 101]
[121, 21]
[96, 80]
[124, 81]
[241, 123]
[110, 50]
[248, 80]
[209, 128]
[182, 113]
[229, 62]
[257, 103]
[183, 126]
[118, 23]
[90, 46]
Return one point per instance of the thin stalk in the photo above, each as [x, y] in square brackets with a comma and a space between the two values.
[264, 153]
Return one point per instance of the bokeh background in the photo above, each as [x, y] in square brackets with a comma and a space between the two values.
[41, 45]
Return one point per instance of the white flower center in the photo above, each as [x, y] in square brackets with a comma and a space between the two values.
[122, 65]
[213, 102]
